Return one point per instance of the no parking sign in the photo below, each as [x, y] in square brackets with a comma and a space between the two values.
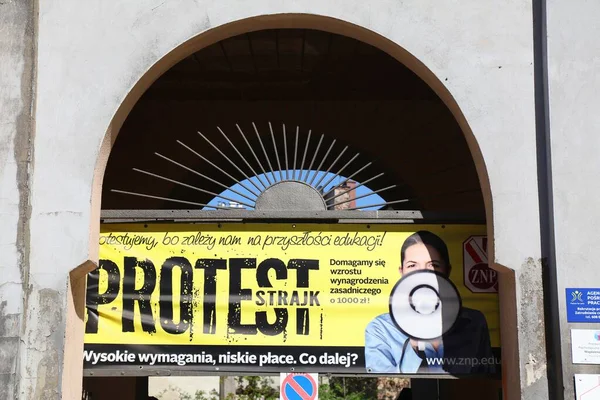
[299, 387]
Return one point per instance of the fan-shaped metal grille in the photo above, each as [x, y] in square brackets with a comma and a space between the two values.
[269, 166]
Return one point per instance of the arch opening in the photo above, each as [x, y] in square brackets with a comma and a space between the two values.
[343, 111]
[222, 112]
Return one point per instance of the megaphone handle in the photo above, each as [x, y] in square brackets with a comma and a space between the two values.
[421, 345]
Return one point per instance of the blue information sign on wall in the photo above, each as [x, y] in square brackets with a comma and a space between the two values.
[583, 305]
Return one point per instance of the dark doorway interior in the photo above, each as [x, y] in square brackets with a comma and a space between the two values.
[329, 84]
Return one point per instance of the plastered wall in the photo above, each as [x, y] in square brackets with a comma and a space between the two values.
[573, 64]
[16, 90]
[95, 57]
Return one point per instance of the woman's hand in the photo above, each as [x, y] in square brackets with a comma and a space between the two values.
[415, 344]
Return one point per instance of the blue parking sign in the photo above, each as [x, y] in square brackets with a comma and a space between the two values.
[583, 305]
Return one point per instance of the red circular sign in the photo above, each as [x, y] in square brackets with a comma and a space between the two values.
[298, 386]
[482, 276]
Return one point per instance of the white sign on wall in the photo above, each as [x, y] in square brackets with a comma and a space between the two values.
[585, 346]
[587, 387]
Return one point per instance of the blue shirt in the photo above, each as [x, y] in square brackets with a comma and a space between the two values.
[465, 349]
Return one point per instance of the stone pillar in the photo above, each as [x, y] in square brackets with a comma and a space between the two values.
[17, 55]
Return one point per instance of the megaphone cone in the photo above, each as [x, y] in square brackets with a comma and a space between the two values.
[424, 305]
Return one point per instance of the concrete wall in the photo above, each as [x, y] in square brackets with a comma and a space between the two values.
[92, 54]
[16, 71]
[574, 62]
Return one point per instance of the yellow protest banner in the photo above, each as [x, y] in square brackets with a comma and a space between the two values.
[271, 296]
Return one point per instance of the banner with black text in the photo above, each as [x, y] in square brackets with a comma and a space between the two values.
[280, 297]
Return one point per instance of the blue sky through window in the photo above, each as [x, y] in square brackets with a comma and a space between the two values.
[306, 176]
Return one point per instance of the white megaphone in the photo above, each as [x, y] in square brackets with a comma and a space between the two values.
[424, 305]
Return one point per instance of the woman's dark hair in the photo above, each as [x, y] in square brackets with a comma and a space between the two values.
[428, 239]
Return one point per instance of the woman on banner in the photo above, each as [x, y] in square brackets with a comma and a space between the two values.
[465, 349]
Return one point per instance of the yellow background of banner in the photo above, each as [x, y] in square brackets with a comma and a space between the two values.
[342, 324]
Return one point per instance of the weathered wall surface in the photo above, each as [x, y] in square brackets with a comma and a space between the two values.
[16, 91]
[92, 53]
[16, 71]
[574, 83]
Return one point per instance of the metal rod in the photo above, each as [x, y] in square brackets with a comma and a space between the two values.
[230, 162]
[162, 198]
[285, 150]
[380, 204]
[265, 152]
[313, 158]
[365, 195]
[218, 168]
[205, 177]
[304, 156]
[255, 156]
[349, 177]
[276, 152]
[356, 187]
[243, 159]
[217, 195]
[340, 170]
[187, 214]
[558, 372]
[331, 166]
[295, 153]
[322, 161]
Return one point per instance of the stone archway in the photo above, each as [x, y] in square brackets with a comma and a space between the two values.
[354, 32]
[275, 21]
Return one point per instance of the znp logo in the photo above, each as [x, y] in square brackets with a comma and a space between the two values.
[478, 276]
